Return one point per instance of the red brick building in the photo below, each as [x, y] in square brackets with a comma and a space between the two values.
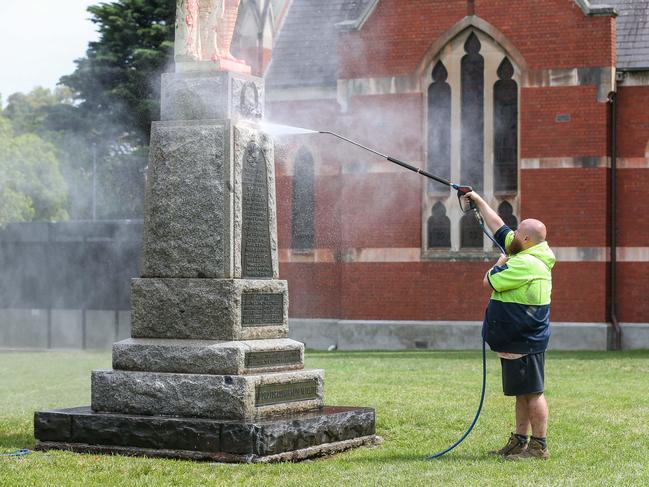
[541, 106]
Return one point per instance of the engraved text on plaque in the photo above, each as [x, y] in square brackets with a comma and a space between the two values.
[278, 393]
[262, 309]
[270, 359]
[255, 245]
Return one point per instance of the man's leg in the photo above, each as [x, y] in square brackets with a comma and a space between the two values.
[537, 412]
[522, 415]
[537, 408]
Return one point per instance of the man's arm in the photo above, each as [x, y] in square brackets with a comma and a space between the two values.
[501, 261]
[491, 218]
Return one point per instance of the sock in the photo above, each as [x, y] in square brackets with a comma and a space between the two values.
[542, 441]
[521, 438]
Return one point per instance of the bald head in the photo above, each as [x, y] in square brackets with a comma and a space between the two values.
[533, 229]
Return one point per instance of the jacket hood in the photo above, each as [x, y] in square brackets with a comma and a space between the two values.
[543, 252]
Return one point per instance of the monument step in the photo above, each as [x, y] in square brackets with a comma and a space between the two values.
[209, 309]
[211, 96]
[293, 437]
[207, 356]
[207, 396]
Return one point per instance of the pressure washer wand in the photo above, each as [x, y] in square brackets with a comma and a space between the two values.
[396, 161]
[461, 190]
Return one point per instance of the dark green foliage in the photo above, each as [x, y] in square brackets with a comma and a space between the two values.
[117, 82]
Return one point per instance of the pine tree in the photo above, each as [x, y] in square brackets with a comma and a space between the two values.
[117, 83]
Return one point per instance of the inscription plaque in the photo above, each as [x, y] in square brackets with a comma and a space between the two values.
[262, 309]
[268, 394]
[255, 235]
[269, 359]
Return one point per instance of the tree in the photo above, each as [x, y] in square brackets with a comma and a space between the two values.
[32, 112]
[117, 82]
[53, 116]
[31, 185]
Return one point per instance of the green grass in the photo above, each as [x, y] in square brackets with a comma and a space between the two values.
[599, 422]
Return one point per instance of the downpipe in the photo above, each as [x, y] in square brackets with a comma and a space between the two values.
[612, 284]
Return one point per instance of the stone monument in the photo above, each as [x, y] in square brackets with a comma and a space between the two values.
[209, 373]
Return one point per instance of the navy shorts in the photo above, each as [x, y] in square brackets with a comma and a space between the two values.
[523, 375]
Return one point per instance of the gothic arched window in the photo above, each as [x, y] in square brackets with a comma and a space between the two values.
[472, 90]
[506, 212]
[505, 130]
[439, 128]
[471, 116]
[302, 214]
[470, 232]
[439, 228]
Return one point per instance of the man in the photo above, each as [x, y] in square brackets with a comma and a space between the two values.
[517, 325]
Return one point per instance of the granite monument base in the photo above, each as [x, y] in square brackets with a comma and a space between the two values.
[207, 396]
[284, 438]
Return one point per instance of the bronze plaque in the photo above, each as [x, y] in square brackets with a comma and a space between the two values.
[279, 393]
[270, 359]
[260, 309]
[255, 235]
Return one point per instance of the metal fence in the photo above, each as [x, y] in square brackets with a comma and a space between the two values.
[67, 284]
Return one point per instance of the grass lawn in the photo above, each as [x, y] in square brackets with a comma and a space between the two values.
[424, 400]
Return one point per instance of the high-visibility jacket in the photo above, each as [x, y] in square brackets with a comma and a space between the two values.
[517, 319]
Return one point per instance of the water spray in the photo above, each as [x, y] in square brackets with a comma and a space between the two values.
[461, 190]
[274, 129]
[279, 130]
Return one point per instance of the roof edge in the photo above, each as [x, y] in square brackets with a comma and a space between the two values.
[359, 22]
[596, 10]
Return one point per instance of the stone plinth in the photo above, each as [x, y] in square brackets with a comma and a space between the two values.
[210, 202]
[211, 96]
[207, 396]
[208, 357]
[223, 65]
[209, 309]
[300, 436]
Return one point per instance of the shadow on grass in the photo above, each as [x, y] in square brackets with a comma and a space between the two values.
[469, 354]
[451, 457]
[403, 354]
[17, 441]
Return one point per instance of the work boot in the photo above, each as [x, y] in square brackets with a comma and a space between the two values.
[535, 449]
[513, 447]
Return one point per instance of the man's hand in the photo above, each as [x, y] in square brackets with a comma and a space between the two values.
[502, 259]
[491, 218]
[473, 196]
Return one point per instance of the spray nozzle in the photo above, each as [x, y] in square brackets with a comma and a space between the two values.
[461, 191]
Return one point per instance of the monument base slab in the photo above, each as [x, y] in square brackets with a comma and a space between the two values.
[207, 356]
[284, 438]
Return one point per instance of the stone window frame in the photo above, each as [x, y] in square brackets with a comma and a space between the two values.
[451, 55]
[303, 151]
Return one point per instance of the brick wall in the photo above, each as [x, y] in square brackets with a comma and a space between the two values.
[447, 291]
[633, 282]
[549, 34]
[632, 205]
[633, 121]
[579, 292]
[314, 289]
[571, 202]
[584, 134]
[381, 210]
[552, 33]
[396, 36]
